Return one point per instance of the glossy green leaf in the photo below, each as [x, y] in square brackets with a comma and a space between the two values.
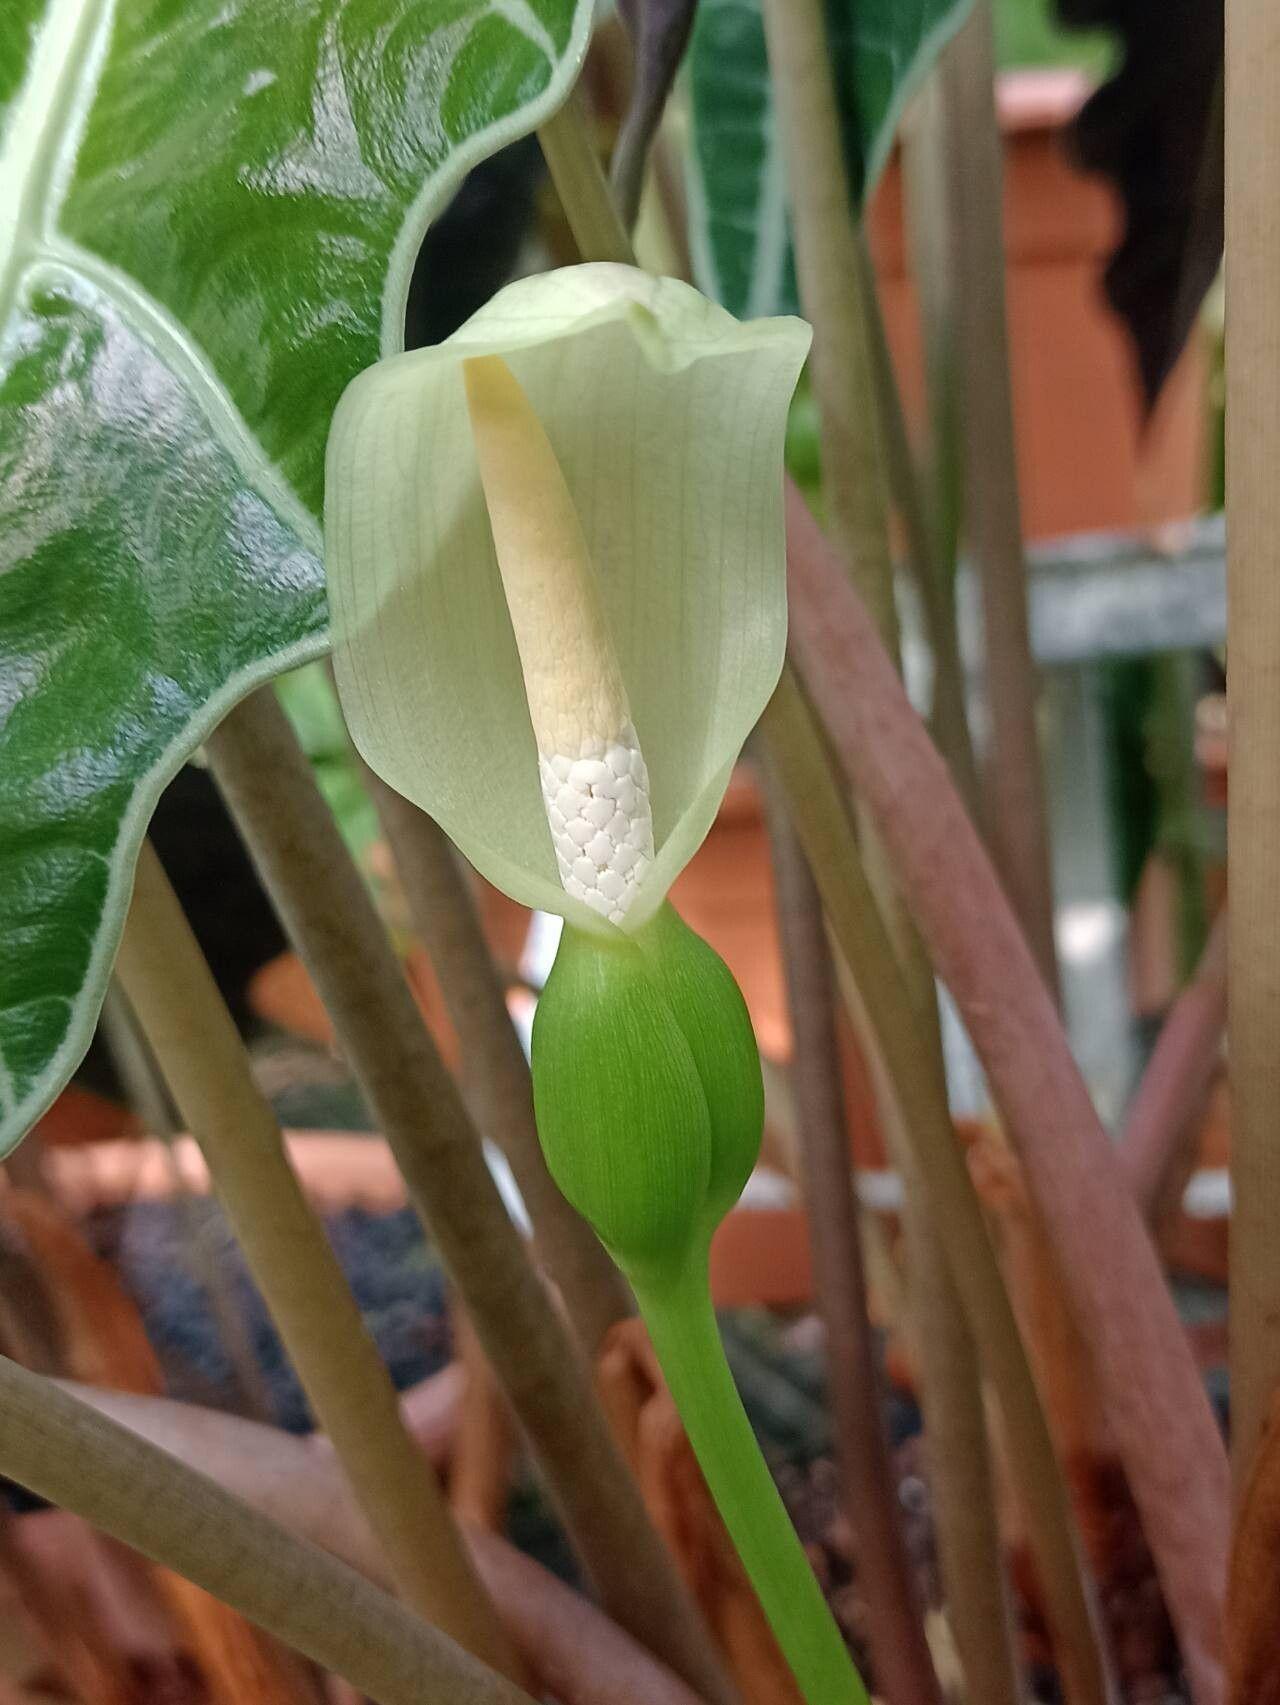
[209, 210]
[739, 233]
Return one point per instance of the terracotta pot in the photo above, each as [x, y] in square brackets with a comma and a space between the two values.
[1084, 459]
[82, 1116]
[762, 1258]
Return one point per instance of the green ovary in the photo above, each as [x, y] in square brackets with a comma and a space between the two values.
[647, 1089]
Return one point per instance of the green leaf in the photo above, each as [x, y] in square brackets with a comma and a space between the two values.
[880, 50]
[209, 210]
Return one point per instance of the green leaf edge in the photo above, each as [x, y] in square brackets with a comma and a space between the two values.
[22, 1116]
[448, 178]
[87, 1004]
[706, 266]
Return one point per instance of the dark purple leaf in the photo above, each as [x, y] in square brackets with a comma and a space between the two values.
[1155, 130]
[659, 32]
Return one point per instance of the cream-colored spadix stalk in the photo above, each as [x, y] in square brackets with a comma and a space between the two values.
[559, 526]
[594, 782]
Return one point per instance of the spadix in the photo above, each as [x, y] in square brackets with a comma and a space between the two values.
[595, 785]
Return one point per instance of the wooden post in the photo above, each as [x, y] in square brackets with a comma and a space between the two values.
[1253, 697]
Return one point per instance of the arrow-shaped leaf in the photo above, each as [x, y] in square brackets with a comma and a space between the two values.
[208, 216]
[880, 50]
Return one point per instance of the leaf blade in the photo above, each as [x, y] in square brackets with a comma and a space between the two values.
[185, 288]
[739, 236]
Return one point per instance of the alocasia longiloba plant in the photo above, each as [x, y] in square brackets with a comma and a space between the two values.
[207, 225]
[207, 221]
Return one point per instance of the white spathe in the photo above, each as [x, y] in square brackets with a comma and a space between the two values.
[667, 418]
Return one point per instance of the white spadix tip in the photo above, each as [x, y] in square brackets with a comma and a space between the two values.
[595, 786]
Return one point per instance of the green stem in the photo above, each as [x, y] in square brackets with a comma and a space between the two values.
[934, 573]
[1018, 813]
[682, 1324]
[582, 186]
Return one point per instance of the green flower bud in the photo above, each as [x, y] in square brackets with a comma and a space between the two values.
[713, 1018]
[647, 1088]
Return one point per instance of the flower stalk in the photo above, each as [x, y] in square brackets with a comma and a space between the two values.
[647, 1082]
[677, 1310]
[646, 1079]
